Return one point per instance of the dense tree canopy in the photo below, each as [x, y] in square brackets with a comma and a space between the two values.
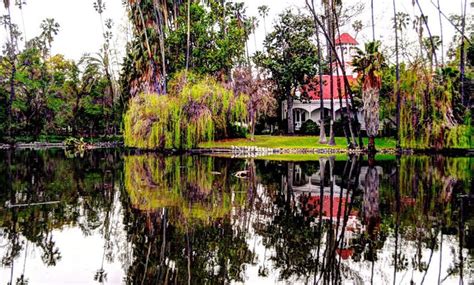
[290, 55]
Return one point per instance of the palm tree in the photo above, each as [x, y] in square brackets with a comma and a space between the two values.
[49, 28]
[369, 63]
[263, 12]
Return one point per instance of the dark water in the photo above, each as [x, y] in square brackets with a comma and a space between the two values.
[114, 218]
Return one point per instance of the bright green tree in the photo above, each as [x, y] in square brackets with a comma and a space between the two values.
[290, 55]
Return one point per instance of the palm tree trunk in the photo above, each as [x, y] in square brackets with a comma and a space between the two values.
[371, 114]
[441, 35]
[289, 113]
[188, 36]
[373, 21]
[465, 99]
[322, 131]
[331, 83]
[397, 67]
[433, 50]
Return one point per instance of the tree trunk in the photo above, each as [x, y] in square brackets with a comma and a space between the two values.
[188, 36]
[370, 98]
[397, 66]
[322, 130]
[441, 35]
[465, 98]
[11, 99]
[252, 123]
[373, 21]
[371, 145]
[331, 91]
[289, 114]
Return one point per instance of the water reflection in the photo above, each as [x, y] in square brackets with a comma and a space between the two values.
[110, 217]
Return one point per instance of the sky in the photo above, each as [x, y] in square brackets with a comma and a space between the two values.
[80, 30]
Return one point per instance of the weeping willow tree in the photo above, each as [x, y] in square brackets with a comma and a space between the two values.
[428, 119]
[197, 109]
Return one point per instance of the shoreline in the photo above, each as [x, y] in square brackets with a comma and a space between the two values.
[247, 151]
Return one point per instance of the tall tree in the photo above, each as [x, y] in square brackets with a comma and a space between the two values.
[322, 129]
[290, 57]
[373, 20]
[397, 72]
[369, 63]
[263, 12]
[11, 48]
[49, 29]
[100, 7]
[321, 23]
[20, 4]
[188, 33]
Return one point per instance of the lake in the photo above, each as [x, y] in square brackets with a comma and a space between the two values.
[115, 217]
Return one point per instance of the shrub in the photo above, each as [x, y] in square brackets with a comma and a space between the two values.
[238, 131]
[309, 127]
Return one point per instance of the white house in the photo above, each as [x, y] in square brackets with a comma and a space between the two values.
[310, 109]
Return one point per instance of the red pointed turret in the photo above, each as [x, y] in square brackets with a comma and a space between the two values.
[346, 39]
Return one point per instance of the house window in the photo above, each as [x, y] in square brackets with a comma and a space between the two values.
[303, 117]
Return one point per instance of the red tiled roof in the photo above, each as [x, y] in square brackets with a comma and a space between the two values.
[312, 89]
[345, 38]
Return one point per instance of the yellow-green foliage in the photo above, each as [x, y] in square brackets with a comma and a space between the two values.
[186, 185]
[426, 114]
[195, 110]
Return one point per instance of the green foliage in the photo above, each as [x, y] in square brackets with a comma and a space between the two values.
[56, 96]
[309, 128]
[290, 54]
[429, 114]
[196, 110]
[218, 32]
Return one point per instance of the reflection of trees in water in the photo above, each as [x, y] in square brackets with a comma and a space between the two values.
[418, 212]
[431, 192]
[180, 220]
[307, 228]
[46, 192]
[188, 219]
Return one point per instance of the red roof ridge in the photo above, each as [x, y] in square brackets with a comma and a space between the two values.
[345, 38]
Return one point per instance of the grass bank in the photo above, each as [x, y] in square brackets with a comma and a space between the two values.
[292, 142]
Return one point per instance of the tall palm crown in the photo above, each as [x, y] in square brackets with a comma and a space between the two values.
[369, 64]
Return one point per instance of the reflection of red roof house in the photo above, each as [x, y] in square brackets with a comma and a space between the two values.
[345, 253]
[408, 201]
[313, 92]
[346, 39]
[314, 205]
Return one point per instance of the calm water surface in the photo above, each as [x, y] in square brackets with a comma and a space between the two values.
[114, 218]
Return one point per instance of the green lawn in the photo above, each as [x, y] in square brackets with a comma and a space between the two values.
[291, 142]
